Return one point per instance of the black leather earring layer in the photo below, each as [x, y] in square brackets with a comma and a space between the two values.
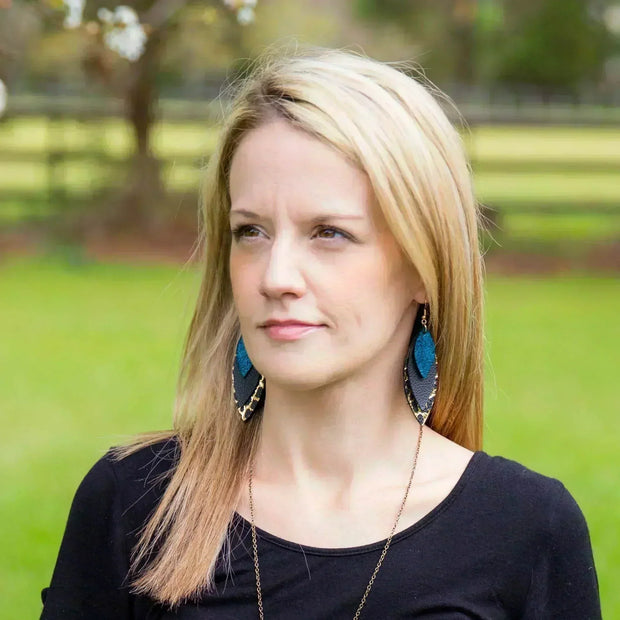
[248, 383]
[420, 371]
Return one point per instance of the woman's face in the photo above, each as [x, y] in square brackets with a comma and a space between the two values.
[310, 246]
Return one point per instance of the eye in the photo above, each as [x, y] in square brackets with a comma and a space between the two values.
[245, 231]
[332, 233]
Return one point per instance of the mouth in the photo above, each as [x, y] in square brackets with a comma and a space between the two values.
[289, 330]
[270, 322]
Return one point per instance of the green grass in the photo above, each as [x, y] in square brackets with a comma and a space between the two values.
[89, 355]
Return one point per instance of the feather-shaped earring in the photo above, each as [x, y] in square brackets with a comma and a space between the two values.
[248, 383]
[420, 371]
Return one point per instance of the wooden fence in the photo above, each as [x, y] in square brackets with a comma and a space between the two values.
[54, 190]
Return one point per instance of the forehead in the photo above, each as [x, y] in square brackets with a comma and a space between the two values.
[276, 164]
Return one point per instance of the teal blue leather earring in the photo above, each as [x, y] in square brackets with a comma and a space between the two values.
[248, 383]
[420, 371]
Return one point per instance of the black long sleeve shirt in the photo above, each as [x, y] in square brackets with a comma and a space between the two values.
[506, 542]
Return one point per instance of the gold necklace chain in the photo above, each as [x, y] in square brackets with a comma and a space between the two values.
[387, 544]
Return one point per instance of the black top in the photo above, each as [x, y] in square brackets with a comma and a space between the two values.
[505, 543]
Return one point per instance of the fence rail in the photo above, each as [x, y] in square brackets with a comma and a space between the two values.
[483, 111]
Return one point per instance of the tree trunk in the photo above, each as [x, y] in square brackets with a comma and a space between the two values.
[463, 33]
[141, 202]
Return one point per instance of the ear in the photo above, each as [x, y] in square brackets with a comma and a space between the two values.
[415, 285]
[420, 295]
[418, 290]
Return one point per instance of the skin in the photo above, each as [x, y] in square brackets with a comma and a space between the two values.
[310, 243]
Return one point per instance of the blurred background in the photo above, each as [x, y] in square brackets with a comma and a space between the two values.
[108, 115]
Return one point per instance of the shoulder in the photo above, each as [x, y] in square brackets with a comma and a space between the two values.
[530, 529]
[141, 466]
[109, 508]
[502, 473]
[131, 485]
[526, 497]
[496, 486]
[541, 527]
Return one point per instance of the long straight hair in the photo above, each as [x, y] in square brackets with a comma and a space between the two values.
[391, 125]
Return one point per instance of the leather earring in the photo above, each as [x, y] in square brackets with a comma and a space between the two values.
[420, 371]
[248, 383]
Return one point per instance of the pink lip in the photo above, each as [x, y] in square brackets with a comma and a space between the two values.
[290, 331]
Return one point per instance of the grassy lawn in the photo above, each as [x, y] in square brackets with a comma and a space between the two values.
[89, 355]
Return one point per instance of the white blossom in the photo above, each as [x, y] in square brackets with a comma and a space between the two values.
[126, 15]
[128, 42]
[244, 9]
[105, 15]
[125, 34]
[3, 97]
[121, 16]
[75, 8]
[245, 15]
[612, 18]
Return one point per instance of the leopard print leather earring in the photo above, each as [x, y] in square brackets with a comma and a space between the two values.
[420, 370]
[248, 383]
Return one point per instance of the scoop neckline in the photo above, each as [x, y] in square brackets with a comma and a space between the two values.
[465, 476]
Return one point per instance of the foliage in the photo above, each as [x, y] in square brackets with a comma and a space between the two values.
[552, 44]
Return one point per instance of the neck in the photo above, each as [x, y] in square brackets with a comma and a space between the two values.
[338, 437]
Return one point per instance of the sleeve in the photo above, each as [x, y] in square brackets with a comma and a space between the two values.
[88, 579]
[564, 583]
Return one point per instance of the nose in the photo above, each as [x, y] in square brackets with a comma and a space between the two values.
[282, 272]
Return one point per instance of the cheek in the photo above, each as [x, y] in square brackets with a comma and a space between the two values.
[242, 281]
[360, 295]
[381, 295]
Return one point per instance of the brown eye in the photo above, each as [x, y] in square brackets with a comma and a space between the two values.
[244, 231]
[332, 233]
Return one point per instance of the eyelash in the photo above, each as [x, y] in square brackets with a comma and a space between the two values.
[239, 230]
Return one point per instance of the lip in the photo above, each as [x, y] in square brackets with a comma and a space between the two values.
[270, 322]
[289, 330]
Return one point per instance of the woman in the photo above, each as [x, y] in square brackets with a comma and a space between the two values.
[337, 470]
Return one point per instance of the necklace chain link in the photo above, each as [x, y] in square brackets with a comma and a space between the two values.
[383, 553]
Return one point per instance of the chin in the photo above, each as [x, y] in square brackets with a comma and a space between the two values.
[297, 377]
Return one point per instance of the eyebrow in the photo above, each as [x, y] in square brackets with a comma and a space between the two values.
[317, 218]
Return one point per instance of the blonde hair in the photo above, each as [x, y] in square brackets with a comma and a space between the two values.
[393, 128]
